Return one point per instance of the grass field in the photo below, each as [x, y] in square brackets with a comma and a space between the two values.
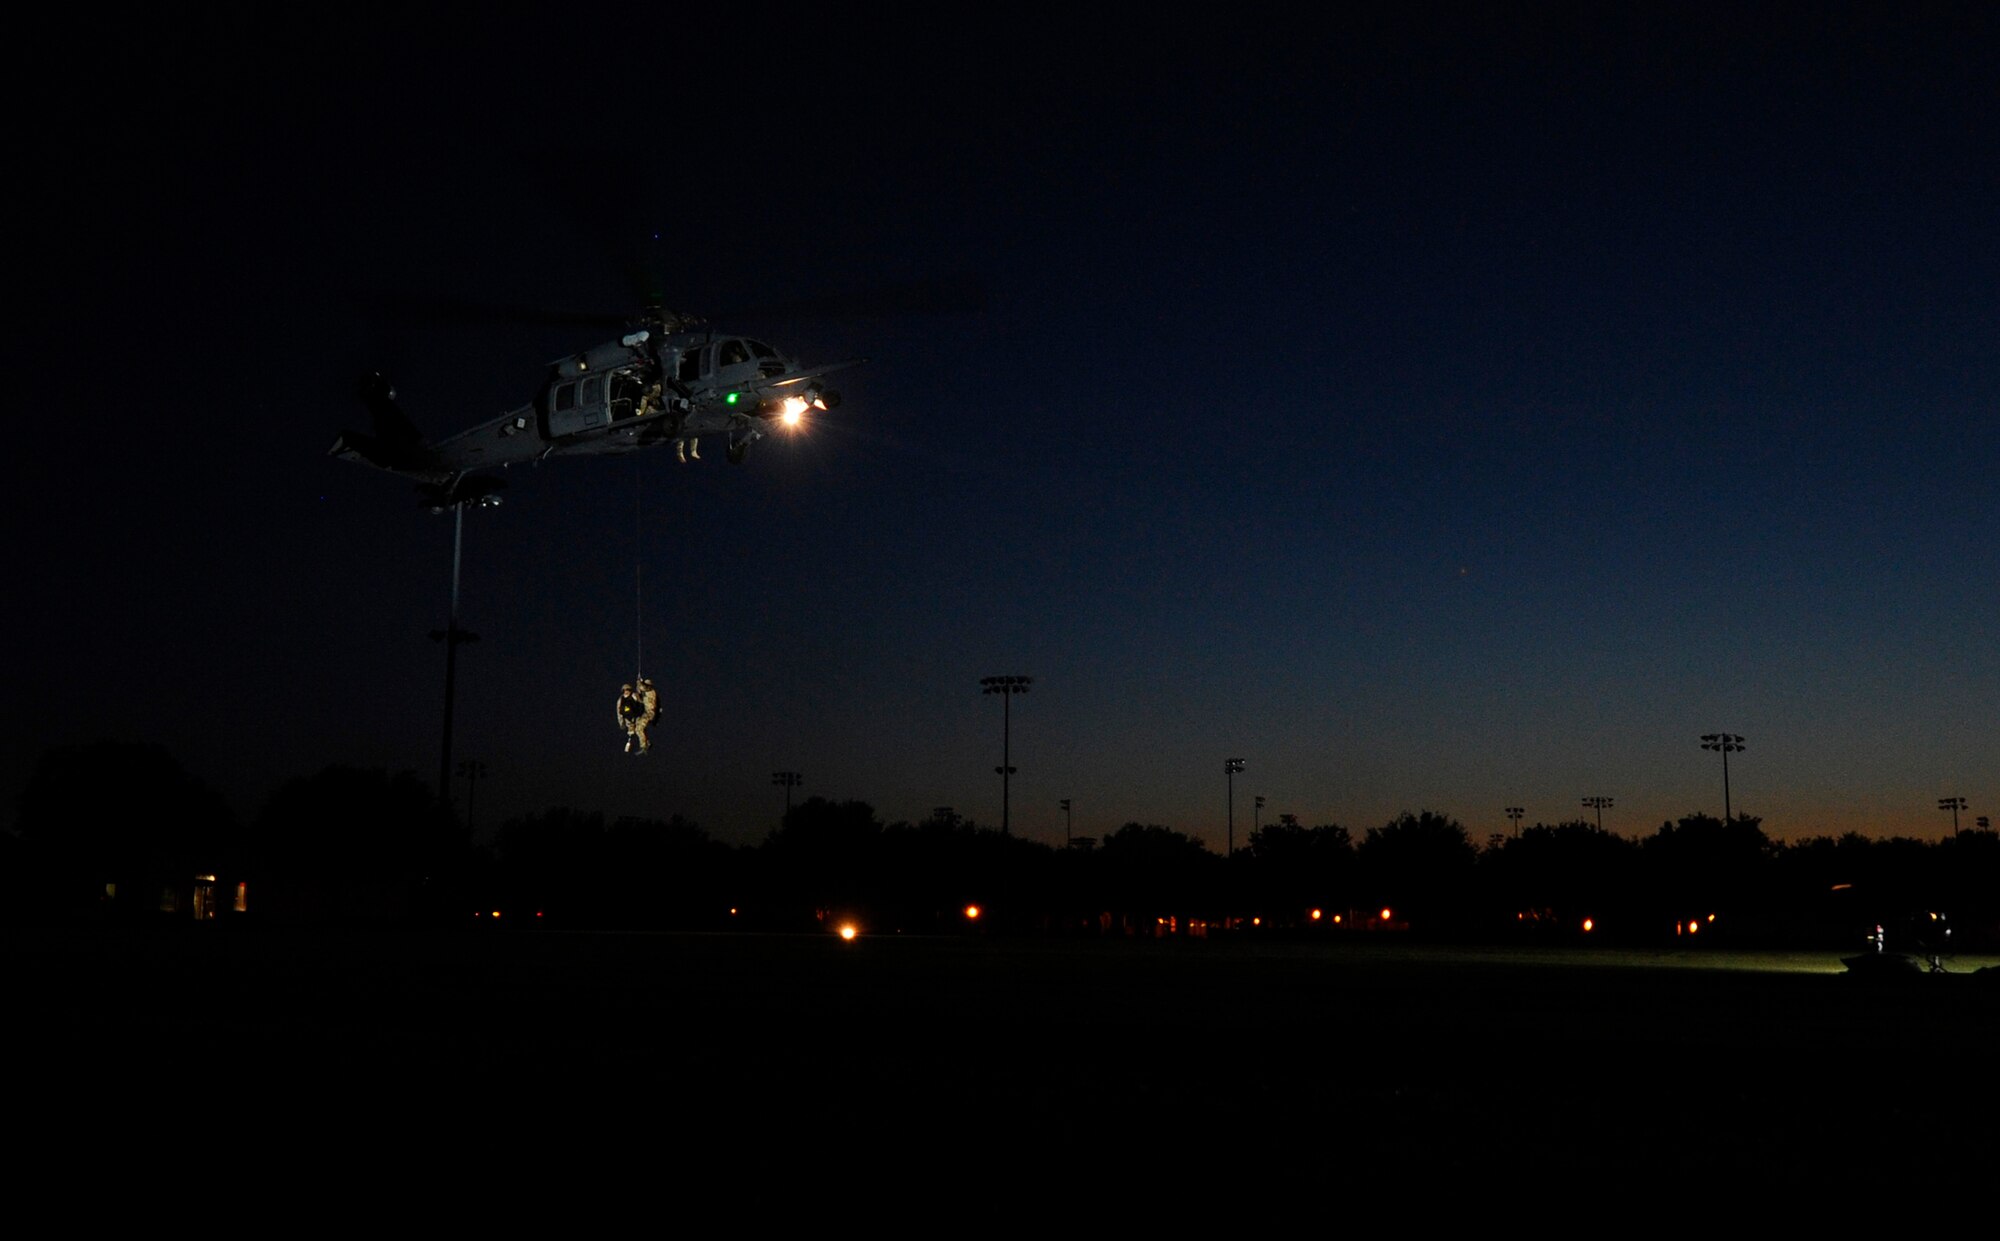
[1382, 1059]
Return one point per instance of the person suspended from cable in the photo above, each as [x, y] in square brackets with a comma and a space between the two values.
[637, 705]
[638, 702]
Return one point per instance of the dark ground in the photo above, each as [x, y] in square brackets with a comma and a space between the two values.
[1390, 1065]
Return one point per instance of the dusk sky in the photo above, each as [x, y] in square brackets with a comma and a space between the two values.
[1451, 410]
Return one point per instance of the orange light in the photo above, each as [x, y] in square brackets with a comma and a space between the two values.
[496, 913]
[847, 930]
[1256, 922]
[1589, 925]
[972, 911]
[1693, 926]
[1385, 913]
[1315, 915]
[1337, 918]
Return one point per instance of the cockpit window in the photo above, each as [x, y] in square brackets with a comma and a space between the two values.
[731, 352]
[761, 349]
[593, 391]
[565, 397]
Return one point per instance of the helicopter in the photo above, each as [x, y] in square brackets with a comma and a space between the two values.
[669, 379]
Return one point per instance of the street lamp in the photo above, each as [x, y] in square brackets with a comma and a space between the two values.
[1515, 813]
[1006, 687]
[791, 780]
[1599, 804]
[1230, 767]
[1727, 743]
[1953, 804]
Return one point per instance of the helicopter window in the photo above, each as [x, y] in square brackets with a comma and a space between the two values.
[690, 366]
[565, 397]
[732, 352]
[761, 349]
[593, 391]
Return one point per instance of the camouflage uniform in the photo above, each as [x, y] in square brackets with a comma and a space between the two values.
[636, 707]
[629, 711]
[649, 706]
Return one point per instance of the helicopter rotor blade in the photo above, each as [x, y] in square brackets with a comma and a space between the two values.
[468, 312]
[960, 293]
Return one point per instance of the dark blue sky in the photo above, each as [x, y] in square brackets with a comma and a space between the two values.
[1451, 410]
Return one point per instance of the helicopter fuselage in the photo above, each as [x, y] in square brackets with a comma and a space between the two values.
[645, 389]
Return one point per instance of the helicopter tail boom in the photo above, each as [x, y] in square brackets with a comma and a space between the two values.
[395, 445]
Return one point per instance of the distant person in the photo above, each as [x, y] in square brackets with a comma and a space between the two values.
[1932, 932]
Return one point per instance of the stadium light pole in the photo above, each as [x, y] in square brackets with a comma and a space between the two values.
[472, 769]
[790, 780]
[1006, 687]
[1229, 769]
[1065, 809]
[479, 493]
[1727, 743]
[1599, 804]
[1515, 813]
[1953, 804]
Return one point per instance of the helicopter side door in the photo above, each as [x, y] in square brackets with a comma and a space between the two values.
[577, 406]
[688, 369]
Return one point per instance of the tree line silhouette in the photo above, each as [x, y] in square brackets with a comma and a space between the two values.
[120, 830]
